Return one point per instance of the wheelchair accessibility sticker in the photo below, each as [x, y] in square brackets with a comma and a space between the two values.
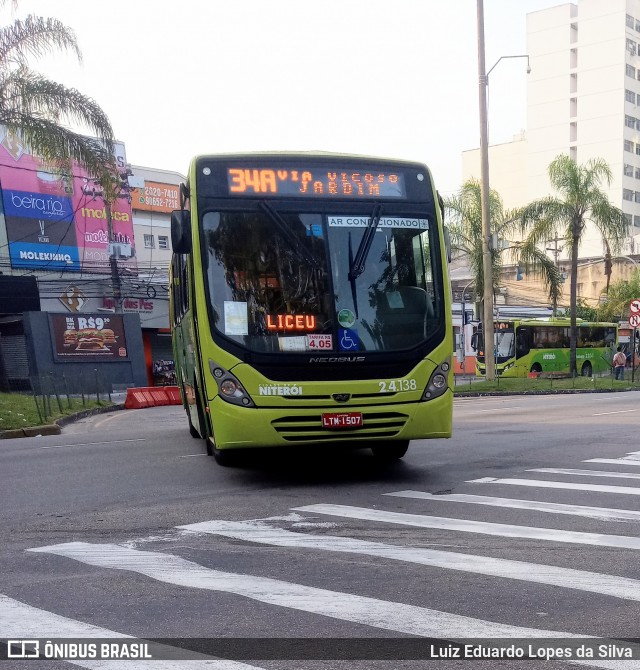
[348, 339]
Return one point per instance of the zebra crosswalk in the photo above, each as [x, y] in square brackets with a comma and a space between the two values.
[171, 564]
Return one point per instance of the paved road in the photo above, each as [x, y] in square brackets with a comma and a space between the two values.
[525, 524]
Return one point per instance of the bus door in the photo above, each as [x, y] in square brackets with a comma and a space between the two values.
[523, 341]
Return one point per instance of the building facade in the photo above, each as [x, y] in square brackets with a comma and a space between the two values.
[91, 262]
[583, 100]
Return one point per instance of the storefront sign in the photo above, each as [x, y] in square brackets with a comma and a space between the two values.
[156, 197]
[130, 305]
[58, 221]
[73, 298]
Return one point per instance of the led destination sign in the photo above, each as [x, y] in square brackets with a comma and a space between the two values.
[317, 182]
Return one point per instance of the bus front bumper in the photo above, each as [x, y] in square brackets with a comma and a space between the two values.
[237, 427]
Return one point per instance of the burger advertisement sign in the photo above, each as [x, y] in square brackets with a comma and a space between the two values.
[81, 338]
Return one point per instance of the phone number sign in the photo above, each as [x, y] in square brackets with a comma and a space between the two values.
[156, 197]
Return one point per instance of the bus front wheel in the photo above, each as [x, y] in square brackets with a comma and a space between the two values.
[587, 370]
[536, 367]
[224, 457]
[390, 451]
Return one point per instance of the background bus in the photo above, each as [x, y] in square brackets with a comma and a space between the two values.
[310, 303]
[523, 346]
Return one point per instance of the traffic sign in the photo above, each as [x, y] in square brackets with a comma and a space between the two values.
[634, 307]
[634, 320]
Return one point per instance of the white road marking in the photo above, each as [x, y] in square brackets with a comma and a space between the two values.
[588, 473]
[250, 531]
[614, 461]
[541, 483]
[480, 527]
[602, 513]
[619, 411]
[382, 614]
[22, 621]
[90, 444]
[499, 409]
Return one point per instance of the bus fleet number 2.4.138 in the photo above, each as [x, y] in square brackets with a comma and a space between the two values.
[394, 385]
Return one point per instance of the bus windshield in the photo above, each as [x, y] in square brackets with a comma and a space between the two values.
[505, 343]
[283, 280]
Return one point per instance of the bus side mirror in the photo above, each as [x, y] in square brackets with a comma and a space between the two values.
[447, 243]
[181, 231]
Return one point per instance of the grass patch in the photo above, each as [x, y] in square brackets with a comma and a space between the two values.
[520, 385]
[18, 410]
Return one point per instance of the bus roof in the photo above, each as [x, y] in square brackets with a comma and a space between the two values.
[242, 155]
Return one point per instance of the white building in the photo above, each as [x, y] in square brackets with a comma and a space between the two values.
[583, 100]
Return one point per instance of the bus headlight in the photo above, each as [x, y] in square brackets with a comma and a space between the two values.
[438, 381]
[229, 388]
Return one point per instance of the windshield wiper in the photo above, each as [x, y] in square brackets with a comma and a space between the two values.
[284, 230]
[358, 263]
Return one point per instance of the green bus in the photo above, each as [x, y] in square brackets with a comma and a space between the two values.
[530, 346]
[310, 303]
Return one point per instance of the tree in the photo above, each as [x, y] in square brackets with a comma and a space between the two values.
[583, 311]
[36, 109]
[465, 215]
[580, 200]
[620, 294]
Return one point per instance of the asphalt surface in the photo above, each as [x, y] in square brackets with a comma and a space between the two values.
[331, 544]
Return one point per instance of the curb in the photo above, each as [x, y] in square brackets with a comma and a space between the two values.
[55, 428]
[466, 394]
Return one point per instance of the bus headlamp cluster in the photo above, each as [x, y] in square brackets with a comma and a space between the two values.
[438, 381]
[229, 388]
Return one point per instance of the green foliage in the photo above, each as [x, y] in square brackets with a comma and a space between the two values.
[581, 199]
[465, 225]
[464, 219]
[18, 410]
[39, 111]
[583, 311]
[526, 385]
[615, 306]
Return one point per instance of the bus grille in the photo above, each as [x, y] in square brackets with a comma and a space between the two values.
[309, 428]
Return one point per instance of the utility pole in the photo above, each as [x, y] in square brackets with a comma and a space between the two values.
[556, 253]
[120, 190]
[487, 267]
[113, 260]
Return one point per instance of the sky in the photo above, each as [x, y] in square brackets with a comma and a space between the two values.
[391, 78]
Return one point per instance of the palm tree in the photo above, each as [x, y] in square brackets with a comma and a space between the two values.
[464, 214]
[465, 227]
[581, 200]
[36, 108]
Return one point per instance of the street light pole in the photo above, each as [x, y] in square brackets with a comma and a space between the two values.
[487, 268]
